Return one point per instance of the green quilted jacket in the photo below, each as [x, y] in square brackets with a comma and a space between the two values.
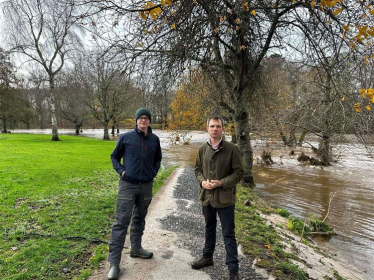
[224, 164]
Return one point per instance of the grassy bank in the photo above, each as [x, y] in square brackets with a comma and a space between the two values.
[57, 204]
[273, 238]
[261, 240]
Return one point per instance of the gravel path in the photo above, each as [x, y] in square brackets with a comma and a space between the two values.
[189, 224]
[175, 233]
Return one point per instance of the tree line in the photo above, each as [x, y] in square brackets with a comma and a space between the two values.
[280, 67]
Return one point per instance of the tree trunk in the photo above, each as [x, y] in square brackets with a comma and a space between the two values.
[234, 138]
[5, 129]
[113, 128]
[302, 137]
[77, 128]
[117, 126]
[106, 131]
[324, 150]
[292, 137]
[53, 110]
[244, 140]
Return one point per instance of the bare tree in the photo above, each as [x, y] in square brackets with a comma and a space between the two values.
[109, 93]
[228, 39]
[44, 32]
[72, 101]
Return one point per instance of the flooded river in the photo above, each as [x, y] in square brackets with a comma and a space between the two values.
[305, 190]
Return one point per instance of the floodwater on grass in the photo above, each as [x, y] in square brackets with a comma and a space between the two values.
[302, 190]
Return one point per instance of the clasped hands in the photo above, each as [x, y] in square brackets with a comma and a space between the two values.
[211, 184]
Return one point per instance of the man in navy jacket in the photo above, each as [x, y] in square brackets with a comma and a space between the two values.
[141, 153]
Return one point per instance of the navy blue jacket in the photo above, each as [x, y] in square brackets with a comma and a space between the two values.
[141, 156]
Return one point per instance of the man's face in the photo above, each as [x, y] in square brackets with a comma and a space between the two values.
[143, 122]
[215, 129]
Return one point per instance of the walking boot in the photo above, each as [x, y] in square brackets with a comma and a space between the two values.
[140, 253]
[203, 262]
[234, 275]
[113, 272]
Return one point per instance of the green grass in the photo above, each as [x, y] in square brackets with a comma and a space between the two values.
[262, 241]
[56, 200]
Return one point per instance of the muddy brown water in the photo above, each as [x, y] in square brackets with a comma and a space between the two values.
[305, 190]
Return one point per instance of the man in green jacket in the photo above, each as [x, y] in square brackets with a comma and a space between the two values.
[218, 169]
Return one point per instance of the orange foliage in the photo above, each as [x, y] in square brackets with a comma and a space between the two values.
[189, 108]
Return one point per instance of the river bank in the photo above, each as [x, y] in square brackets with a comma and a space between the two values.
[304, 190]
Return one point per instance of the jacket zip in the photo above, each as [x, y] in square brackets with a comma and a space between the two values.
[141, 160]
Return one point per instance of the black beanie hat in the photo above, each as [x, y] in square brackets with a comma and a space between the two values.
[143, 111]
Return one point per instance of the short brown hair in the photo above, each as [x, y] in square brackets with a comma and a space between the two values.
[214, 117]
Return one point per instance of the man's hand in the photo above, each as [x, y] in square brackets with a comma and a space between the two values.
[123, 173]
[215, 183]
[211, 184]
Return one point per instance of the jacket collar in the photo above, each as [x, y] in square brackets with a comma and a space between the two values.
[141, 132]
[218, 146]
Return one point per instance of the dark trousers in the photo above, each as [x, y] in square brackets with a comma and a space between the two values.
[227, 218]
[132, 205]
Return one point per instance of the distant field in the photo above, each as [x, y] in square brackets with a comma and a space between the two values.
[56, 200]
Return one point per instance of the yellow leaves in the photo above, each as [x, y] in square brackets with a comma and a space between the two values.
[356, 107]
[242, 47]
[222, 19]
[189, 107]
[370, 93]
[372, 12]
[153, 10]
[343, 99]
[337, 11]
[246, 6]
[143, 15]
[371, 31]
[253, 12]
[139, 44]
[329, 3]
[216, 30]
[366, 94]
[165, 3]
[173, 26]
[238, 21]
[267, 246]
[346, 28]
[313, 3]
[362, 31]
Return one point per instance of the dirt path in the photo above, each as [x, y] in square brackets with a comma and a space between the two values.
[174, 232]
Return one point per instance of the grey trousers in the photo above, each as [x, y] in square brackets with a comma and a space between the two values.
[132, 206]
